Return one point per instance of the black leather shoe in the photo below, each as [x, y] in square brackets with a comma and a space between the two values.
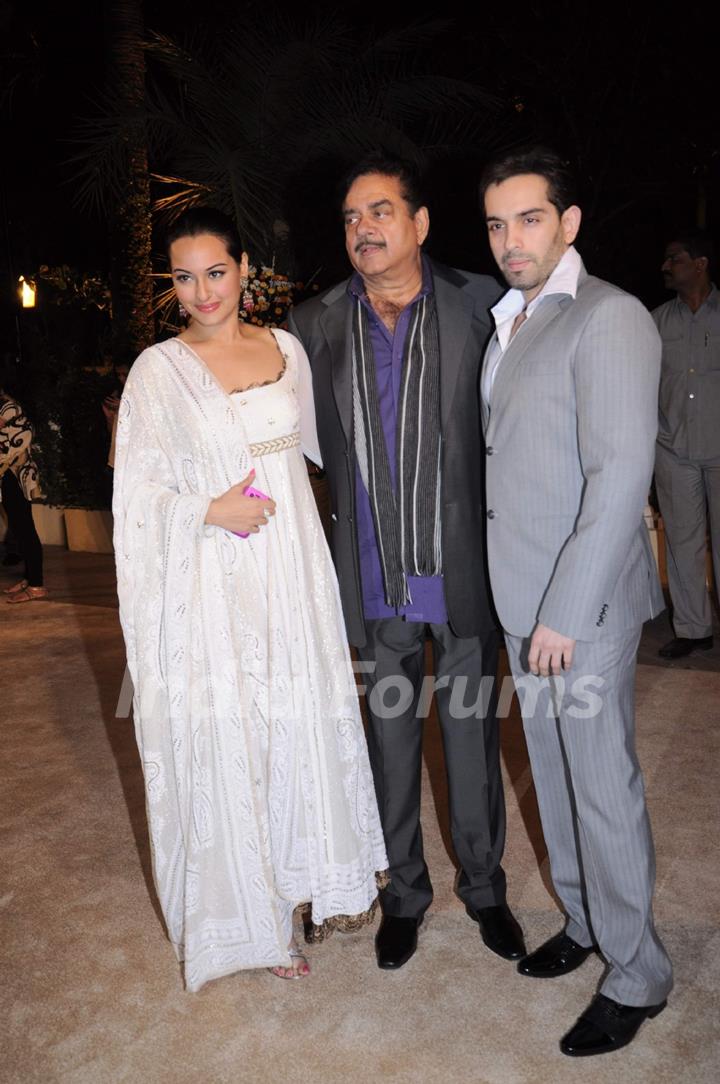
[685, 645]
[500, 930]
[558, 956]
[396, 941]
[606, 1025]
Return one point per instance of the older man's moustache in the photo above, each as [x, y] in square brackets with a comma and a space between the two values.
[363, 244]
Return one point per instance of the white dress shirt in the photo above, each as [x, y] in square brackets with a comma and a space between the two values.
[562, 282]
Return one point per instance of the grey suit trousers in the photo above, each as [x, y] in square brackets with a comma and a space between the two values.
[688, 491]
[466, 699]
[580, 733]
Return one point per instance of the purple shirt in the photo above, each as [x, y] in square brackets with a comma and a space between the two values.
[427, 592]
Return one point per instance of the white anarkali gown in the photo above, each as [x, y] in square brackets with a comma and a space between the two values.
[258, 785]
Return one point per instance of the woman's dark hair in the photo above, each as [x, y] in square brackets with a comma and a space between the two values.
[199, 220]
[539, 160]
[389, 165]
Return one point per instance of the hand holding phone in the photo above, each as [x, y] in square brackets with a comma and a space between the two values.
[251, 491]
[234, 513]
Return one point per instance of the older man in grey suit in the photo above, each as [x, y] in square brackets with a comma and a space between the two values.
[396, 353]
[569, 388]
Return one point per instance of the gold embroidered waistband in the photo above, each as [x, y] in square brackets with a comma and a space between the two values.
[279, 444]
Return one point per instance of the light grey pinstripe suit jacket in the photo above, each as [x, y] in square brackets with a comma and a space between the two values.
[570, 438]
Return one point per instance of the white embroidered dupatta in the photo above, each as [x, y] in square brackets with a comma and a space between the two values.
[168, 467]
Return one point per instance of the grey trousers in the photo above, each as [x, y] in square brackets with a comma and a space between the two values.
[689, 494]
[580, 733]
[398, 702]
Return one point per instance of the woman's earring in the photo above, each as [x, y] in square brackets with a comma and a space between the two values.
[182, 310]
[247, 298]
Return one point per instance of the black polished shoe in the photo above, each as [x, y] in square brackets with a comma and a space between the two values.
[606, 1025]
[396, 941]
[685, 645]
[500, 930]
[558, 956]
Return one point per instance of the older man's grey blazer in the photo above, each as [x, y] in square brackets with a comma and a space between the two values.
[570, 438]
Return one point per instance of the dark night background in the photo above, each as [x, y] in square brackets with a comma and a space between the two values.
[630, 102]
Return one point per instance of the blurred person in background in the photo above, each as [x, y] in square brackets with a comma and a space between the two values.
[110, 408]
[19, 484]
[687, 461]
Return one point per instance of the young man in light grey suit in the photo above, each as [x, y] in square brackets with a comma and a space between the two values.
[569, 388]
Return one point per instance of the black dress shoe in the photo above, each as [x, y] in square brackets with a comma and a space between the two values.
[558, 956]
[396, 941]
[685, 645]
[606, 1025]
[499, 930]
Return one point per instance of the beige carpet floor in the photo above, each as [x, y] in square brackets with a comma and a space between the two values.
[90, 992]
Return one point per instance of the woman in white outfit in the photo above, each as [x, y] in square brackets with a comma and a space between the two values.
[259, 792]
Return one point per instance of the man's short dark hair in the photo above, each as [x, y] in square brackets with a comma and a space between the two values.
[389, 165]
[539, 160]
[697, 243]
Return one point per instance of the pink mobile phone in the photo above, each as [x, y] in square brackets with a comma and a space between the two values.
[251, 491]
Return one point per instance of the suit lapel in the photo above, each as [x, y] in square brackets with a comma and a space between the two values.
[455, 311]
[484, 409]
[336, 324]
[520, 344]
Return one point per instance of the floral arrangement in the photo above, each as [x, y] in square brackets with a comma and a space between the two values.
[268, 297]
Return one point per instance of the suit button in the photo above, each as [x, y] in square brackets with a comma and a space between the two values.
[489, 451]
[691, 396]
[490, 514]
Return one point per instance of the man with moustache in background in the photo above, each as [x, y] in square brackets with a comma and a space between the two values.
[569, 390]
[395, 353]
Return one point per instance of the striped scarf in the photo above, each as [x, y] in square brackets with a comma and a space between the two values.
[407, 521]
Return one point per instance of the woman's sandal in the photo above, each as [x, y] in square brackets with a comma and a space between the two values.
[27, 594]
[20, 586]
[293, 972]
